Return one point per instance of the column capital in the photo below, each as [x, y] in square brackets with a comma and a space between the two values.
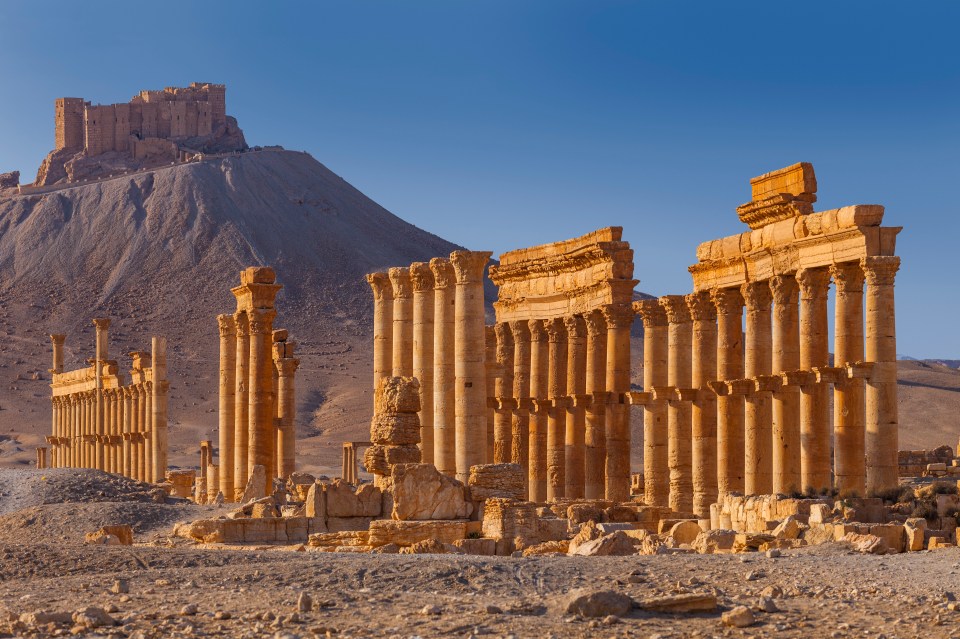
[57, 339]
[102, 323]
[701, 308]
[784, 289]
[651, 312]
[555, 330]
[848, 277]
[286, 366]
[442, 271]
[261, 320]
[756, 295]
[400, 281]
[596, 325]
[520, 329]
[617, 315]
[240, 323]
[814, 282]
[421, 277]
[380, 283]
[728, 301]
[469, 265]
[576, 326]
[880, 270]
[538, 332]
[676, 309]
[226, 325]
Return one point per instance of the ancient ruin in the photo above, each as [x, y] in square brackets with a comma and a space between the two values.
[101, 419]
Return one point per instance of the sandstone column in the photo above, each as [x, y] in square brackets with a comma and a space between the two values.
[704, 427]
[108, 419]
[382, 325]
[758, 419]
[491, 373]
[730, 408]
[539, 391]
[503, 391]
[814, 407]
[261, 425]
[228, 398]
[444, 342]
[241, 409]
[786, 401]
[141, 429]
[148, 471]
[881, 393]
[557, 415]
[619, 318]
[128, 420]
[520, 445]
[595, 437]
[402, 322]
[286, 414]
[159, 429]
[656, 471]
[576, 384]
[849, 395]
[57, 341]
[469, 371]
[423, 339]
[679, 409]
[102, 325]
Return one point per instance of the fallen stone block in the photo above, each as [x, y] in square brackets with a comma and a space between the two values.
[616, 544]
[483, 547]
[111, 536]
[406, 532]
[421, 492]
[692, 602]
[714, 541]
[547, 548]
[685, 532]
[595, 603]
[867, 544]
[488, 481]
[343, 500]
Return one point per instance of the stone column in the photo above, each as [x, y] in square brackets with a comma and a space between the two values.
[469, 371]
[423, 321]
[444, 342]
[286, 415]
[491, 373]
[213, 482]
[241, 409]
[786, 401]
[576, 384]
[730, 408]
[159, 404]
[148, 470]
[102, 326]
[881, 393]
[262, 441]
[704, 427]
[128, 419]
[814, 397]
[402, 322]
[758, 418]
[228, 398]
[849, 431]
[557, 415]
[503, 391]
[382, 325]
[679, 409]
[111, 418]
[595, 437]
[619, 318]
[139, 439]
[656, 471]
[520, 432]
[539, 392]
[57, 341]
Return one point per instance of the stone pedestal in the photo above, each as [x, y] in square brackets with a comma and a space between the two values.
[758, 417]
[849, 396]
[444, 342]
[704, 427]
[814, 397]
[595, 438]
[730, 408]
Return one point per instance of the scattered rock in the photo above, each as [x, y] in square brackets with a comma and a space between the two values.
[304, 602]
[120, 586]
[430, 610]
[692, 602]
[189, 610]
[595, 603]
[739, 617]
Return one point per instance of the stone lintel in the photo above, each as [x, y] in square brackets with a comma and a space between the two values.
[663, 393]
[685, 394]
[740, 386]
[798, 378]
[767, 383]
[860, 370]
[830, 374]
[640, 399]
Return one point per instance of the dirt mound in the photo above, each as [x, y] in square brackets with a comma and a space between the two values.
[27, 488]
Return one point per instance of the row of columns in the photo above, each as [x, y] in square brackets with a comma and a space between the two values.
[726, 415]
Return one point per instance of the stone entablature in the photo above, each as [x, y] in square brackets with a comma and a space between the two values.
[564, 278]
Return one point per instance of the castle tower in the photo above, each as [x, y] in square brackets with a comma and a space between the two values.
[69, 123]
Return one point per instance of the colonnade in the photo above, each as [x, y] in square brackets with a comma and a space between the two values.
[728, 410]
[350, 469]
[257, 393]
[100, 422]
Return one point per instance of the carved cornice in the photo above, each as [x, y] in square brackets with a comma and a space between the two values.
[880, 270]
[675, 306]
[651, 313]
[286, 366]
[848, 277]
[814, 283]
[381, 286]
[728, 301]
[756, 296]
[469, 265]
[400, 280]
[701, 307]
[421, 276]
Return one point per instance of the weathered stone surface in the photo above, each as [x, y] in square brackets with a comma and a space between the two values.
[375, 460]
[406, 533]
[508, 519]
[595, 603]
[620, 514]
[739, 617]
[496, 480]
[692, 602]
[264, 511]
[346, 538]
[123, 534]
[481, 546]
[342, 524]
[255, 485]
[401, 455]
[395, 429]
[550, 529]
[397, 395]
[547, 548]
[578, 514]
[421, 492]
[867, 543]
[315, 504]
[914, 529]
[588, 532]
[342, 500]
[615, 544]
[713, 541]
[427, 547]
[789, 528]
[685, 532]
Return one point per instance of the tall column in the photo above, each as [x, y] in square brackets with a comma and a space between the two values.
[57, 341]
[286, 414]
[241, 407]
[656, 471]
[73, 455]
[576, 383]
[128, 420]
[102, 325]
[619, 318]
[595, 437]
[557, 414]
[520, 430]
[704, 426]
[444, 342]
[730, 408]
[814, 397]
[159, 426]
[423, 317]
[110, 421]
[503, 390]
[382, 326]
[786, 401]
[402, 322]
[758, 418]
[849, 396]
[881, 393]
[227, 327]
[679, 409]
[148, 469]
[261, 425]
[491, 373]
[539, 392]
[142, 426]
[470, 389]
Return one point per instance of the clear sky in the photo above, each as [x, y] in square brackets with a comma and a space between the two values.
[501, 124]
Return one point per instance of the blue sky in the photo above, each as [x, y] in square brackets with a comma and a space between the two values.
[502, 124]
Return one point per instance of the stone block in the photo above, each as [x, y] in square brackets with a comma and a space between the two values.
[616, 543]
[255, 485]
[315, 504]
[298, 529]
[421, 492]
[338, 539]
[264, 511]
[789, 528]
[547, 548]
[578, 514]
[947, 504]
[914, 529]
[685, 532]
[375, 460]
[552, 529]
[868, 544]
[620, 513]
[487, 481]
[397, 395]
[394, 455]
[714, 541]
[482, 546]
[342, 500]
[508, 519]
[395, 429]
[894, 535]
[407, 533]
[343, 524]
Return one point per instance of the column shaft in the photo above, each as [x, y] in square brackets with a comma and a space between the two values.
[814, 397]
[503, 390]
[158, 430]
[619, 319]
[402, 361]
[128, 408]
[557, 415]
[849, 431]
[704, 426]
[423, 359]
[262, 441]
[492, 372]
[786, 401]
[520, 427]
[444, 380]
[758, 417]
[730, 408]
[576, 384]
[539, 391]
[382, 326]
[228, 400]
[287, 407]
[241, 410]
[595, 437]
[679, 410]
